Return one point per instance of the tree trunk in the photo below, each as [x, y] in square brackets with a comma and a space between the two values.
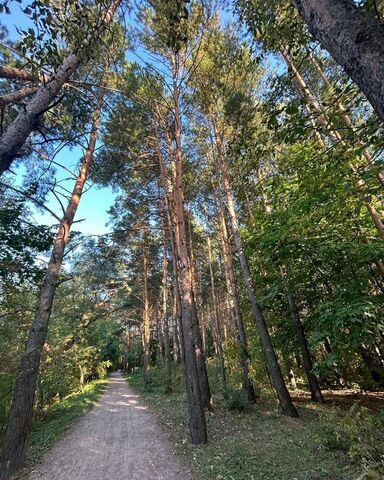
[20, 419]
[282, 392]
[219, 339]
[18, 131]
[355, 40]
[197, 425]
[146, 318]
[202, 369]
[166, 188]
[234, 306]
[345, 116]
[313, 382]
[159, 335]
[336, 137]
[167, 353]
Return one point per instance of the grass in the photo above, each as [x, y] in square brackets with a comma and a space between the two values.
[258, 444]
[58, 418]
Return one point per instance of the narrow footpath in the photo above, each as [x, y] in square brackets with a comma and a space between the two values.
[118, 439]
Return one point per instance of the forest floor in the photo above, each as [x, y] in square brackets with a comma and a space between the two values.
[118, 438]
[258, 443]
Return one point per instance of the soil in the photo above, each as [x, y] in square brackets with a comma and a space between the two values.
[118, 439]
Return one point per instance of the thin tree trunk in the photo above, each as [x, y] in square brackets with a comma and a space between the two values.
[201, 366]
[219, 338]
[197, 425]
[167, 353]
[313, 382]
[26, 121]
[335, 137]
[160, 336]
[346, 117]
[354, 38]
[233, 301]
[282, 392]
[146, 317]
[20, 419]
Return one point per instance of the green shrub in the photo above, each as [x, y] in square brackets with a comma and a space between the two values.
[236, 400]
[360, 434]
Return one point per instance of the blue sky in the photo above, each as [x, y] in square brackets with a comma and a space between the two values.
[96, 201]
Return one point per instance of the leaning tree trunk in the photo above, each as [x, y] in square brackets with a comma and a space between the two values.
[26, 121]
[316, 394]
[197, 424]
[274, 370]
[20, 419]
[234, 306]
[320, 117]
[354, 38]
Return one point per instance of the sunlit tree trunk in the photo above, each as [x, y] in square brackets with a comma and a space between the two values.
[197, 425]
[20, 419]
[167, 351]
[166, 188]
[146, 316]
[201, 366]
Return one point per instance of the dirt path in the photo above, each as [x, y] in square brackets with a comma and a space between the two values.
[117, 440]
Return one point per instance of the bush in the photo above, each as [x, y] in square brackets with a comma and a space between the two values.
[360, 434]
[236, 400]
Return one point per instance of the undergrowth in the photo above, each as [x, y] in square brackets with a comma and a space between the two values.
[256, 443]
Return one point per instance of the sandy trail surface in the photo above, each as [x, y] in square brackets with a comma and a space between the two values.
[118, 439]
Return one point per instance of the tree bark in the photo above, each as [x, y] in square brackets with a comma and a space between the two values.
[355, 40]
[146, 318]
[274, 370]
[167, 353]
[17, 96]
[26, 121]
[197, 424]
[201, 366]
[20, 419]
[12, 73]
[316, 394]
[234, 306]
[219, 339]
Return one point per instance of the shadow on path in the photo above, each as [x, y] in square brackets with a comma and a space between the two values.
[118, 439]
